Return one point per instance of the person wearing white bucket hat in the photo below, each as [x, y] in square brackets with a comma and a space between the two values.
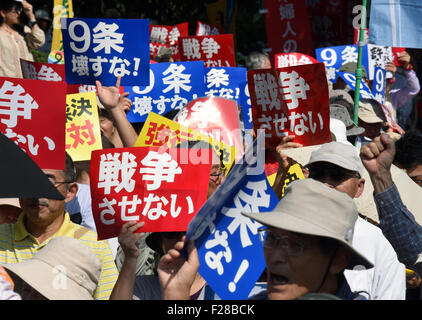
[65, 269]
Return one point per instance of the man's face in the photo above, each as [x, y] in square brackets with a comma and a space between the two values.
[338, 178]
[216, 175]
[11, 17]
[416, 174]
[106, 127]
[295, 264]
[43, 211]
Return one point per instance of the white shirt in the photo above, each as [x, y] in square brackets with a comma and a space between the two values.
[387, 279]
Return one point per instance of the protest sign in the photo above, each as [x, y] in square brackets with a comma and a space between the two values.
[291, 101]
[167, 36]
[245, 106]
[161, 132]
[350, 79]
[32, 114]
[61, 9]
[206, 29]
[335, 57]
[288, 26]
[172, 86]
[216, 117]
[83, 133]
[378, 86]
[292, 59]
[230, 251]
[215, 50]
[42, 71]
[145, 184]
[224, 82]
[103, 49]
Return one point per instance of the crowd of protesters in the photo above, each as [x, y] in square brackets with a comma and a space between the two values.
[319, 239]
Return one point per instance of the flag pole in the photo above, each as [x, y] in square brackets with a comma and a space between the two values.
[358, 72]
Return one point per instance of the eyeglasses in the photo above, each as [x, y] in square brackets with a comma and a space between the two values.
[16, 10]
[54, 182]
[218, 176]
[272, 241]
[417, 180]
[335, 173]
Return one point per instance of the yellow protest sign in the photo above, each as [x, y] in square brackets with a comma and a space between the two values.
[83, 133]
[62, 8]
[159, 131]
[294, 173]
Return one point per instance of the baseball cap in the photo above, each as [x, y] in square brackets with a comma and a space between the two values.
[340, 154]
[312, 208]
[351, 68]
[370, 111]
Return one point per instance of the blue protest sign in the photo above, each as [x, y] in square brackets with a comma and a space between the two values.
[378, 86]
[172, 86]
[230, 250]
[246, 106]
[103, 49]
[350, 79]
[335, 57]
[224, 82]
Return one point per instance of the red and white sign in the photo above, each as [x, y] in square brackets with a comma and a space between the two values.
[215, 51]
[216, 117]
[163, 189]
[291, 101]
[42, 71]
[206, 29]
[292, 59]
[166, 36]
[288, 26]
[33, 115]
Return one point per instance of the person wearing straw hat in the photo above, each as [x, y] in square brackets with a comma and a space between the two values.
[312, 225]
[65, 269]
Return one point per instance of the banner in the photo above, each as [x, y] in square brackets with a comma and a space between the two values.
[396, 23]
[245, 106]
[172, 86]
[144, 184]
[166, 36]
[216, 117]
[230, 250]
[288, 27]
[292, 59]
[103, 49]
[224, 82]
[83, 134]
[42, 71]
[291, 101]
[159, 131]
[215, 51]
[32, 114]
[62, 9]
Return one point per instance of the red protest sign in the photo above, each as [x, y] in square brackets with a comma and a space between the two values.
[216, 117]
[215, 50]
[288, 26]
[291, 100]
[206, 29]
[165, 189]
[42, 71]
[33, 115]
[292, 59]
[166, 36]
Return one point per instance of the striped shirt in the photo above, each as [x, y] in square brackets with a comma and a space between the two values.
[17, 245]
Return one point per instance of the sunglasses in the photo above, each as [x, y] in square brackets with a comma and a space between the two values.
[335, 173]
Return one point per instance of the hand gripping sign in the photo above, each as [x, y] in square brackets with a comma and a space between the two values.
[161, 132]
[146, 184]
[229, 249]
[42, 71]
[167, 36]
[32, 114]
[103, 49]
[216, 117]
[172, 86]
[215, 51]
[83, 133]
[291, 101]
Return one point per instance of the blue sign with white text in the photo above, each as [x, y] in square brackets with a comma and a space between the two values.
[229, 247]
[173, 85]
[103, 49]
[350, 79]
[378, 86]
